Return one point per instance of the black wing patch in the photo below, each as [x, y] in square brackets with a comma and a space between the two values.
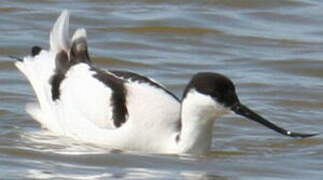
[142, 79]
[118, 98]
[62, 66]
[56, 81]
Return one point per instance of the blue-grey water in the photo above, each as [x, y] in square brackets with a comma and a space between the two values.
[272, 50]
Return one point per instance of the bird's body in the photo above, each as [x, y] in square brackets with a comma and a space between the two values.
[122, 122]
[112, 108]
[120, 109]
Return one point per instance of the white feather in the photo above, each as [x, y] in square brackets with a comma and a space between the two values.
[198, 114]
[79, 33]
[88, 95]
[59, 35]
[39, 70]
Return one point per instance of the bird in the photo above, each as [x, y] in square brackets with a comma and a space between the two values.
[125, 110]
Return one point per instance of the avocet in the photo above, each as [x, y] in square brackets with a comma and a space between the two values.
[124, 110]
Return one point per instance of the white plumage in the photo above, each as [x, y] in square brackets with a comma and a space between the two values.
[83, 110]
[120, 109]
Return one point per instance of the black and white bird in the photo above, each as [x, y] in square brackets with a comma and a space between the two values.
[124, 110]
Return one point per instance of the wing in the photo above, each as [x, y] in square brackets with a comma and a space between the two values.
[110, 99]
[137, 78]
[93, 95]
[149, 102]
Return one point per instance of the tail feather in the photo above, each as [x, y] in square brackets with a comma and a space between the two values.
[59, 35]
[79, 49]
[78, 34]
[34, 110]
[38, 71]
[42, 65]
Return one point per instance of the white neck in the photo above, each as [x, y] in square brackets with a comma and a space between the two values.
[198, 114]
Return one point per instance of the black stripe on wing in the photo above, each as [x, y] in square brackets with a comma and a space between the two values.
[142, 79]
[62, 66]
[118, 98]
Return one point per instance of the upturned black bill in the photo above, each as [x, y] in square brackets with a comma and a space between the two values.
[246, 112]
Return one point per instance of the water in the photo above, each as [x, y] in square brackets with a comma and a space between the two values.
[272, 50]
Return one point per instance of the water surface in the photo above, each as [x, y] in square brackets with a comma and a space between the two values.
[272, 50]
